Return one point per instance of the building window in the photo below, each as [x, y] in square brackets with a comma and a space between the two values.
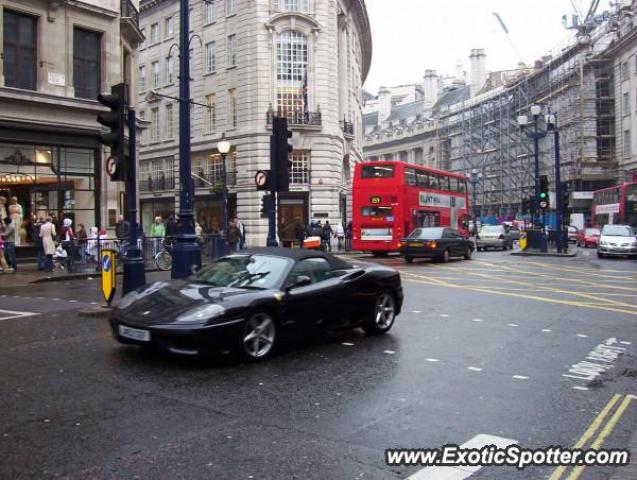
[626, 144]
[211, 113]
[142, 78]
[154, 33]
[170, 27]
[154, 127]
[626, 103]
[191, 23]
[232, 107]
[209, 12]
[232, 50]
[170, 69]
[231, 7]
[624, 71]
[155, 73]
[292, 63]
[211, 57]
[86, 63]
[300, 166]
[19, 50]
[292, 5]
[169, 121]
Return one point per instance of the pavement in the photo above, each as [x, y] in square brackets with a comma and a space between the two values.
[499, 346]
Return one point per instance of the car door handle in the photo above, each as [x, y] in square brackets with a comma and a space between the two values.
[354, 275]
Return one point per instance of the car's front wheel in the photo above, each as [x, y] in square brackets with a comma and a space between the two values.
[409, 259]
[600, 255]
[468, 253]
[383, 315]
[259, 337]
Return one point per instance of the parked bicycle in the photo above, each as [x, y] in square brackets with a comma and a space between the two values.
[164, 258]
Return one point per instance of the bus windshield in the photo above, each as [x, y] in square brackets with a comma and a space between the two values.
[377, 171]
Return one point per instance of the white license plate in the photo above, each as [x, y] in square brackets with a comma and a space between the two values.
[134, 333]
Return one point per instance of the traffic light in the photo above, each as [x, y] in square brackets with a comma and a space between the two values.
[266, 205]
[544, 192]
[282, 148]
[566, 197]
[117, 102]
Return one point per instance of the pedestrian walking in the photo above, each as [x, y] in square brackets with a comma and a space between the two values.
[157, 233]
[3, 262]
[47, 232]
[299, 233]
[37, 241]
[348, 236]
[67, 241]
[233, 237]
[9, 243]
[82, 241]
[242, 233]
[327, 236]
[339, 233]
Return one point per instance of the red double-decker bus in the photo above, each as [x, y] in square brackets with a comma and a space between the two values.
[615, 205]
[391, 198]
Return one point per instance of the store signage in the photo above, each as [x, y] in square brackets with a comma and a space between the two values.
[428, 199]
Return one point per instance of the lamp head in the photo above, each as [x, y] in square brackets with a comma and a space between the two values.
[523, 121]
[224, 145]
[536, 110]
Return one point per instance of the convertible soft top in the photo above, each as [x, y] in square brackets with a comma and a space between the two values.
[297, 254]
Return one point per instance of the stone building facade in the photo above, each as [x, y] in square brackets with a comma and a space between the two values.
[303, 59]
[57, 57]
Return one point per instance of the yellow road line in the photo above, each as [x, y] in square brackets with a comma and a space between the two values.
[606, 431]
[590, 431]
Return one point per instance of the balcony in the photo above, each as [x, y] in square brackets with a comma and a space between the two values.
[129, 21]
[348, 128]
[156, 184]
[299, 120]
[212, 181]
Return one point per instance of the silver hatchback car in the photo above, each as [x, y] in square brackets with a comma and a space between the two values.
[494, 236]
[617, 240]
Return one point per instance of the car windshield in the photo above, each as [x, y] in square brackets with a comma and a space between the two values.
[244, 271]
[591, 232]
[492, 229]
[427, 233]
[617, 231]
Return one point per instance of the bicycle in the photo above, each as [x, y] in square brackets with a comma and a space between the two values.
[164, 258]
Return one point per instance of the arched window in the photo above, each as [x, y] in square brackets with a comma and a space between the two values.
[292, 97]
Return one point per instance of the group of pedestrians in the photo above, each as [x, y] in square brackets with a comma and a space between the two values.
[342, 232]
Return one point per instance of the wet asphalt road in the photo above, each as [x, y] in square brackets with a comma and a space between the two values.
[480, 348]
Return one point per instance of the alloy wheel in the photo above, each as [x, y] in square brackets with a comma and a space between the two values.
[259, 335]
[385, 311]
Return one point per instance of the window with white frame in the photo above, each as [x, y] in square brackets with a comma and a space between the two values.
[169, 121]
[209, 12]
[232, 107]
[292, 5]
[155, 73]
[170, 70]
[154, 33]
[626, 103]
[624, 71]
[232, 50]
[154, 127]
[142, 78]
[211, 113]
[292, 64]
[626, 144]
[300, 166]
[231, 7]
[211, 57]
[141, 137]
[169, 27]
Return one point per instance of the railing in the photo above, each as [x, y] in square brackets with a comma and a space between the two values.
[214, 180]
[128, 10]
[296, 117]
[347, 127]
[156, 184]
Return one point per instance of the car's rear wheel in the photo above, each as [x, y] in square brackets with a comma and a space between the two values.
[480, 249]
[600, 255]
[409, 259]
[468, 253]
[444, 258]
[383, 315]
[259, 337]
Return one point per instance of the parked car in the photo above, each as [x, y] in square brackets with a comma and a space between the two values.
[588, 237]
[494, 236]
[251, 301]
[617, 240]
[573, 232]
[439, 243]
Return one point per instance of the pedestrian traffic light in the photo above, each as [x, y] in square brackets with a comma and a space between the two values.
[115, 120]
[266, 205]
[282, 148]
[544, 201]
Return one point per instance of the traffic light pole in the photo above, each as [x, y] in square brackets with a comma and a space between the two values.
[558, 190]
[271, 240]
[186, 252]
[134, 274]
[536, 149]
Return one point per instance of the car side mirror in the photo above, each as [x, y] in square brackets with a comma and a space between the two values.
[300, 281]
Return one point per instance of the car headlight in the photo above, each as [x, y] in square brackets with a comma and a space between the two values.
[200, 314]
[128, 299]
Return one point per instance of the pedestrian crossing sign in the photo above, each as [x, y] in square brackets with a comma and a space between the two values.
[109, 274]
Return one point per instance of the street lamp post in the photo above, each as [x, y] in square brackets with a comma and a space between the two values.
[186, 252]
[551, 123]
[223, 147]
[474, 178]
[536, 134]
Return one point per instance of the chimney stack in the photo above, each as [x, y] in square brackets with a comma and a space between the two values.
[430, 88]
[384, 104]
[478, 70]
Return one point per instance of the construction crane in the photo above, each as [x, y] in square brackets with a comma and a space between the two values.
[509, 39]
[584, 24]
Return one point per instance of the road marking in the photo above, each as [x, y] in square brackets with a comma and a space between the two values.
[626, 343]
[592, 429]
[416, 311]
[577, 387]
[512, 325]
[460, 473]
[433, 360]
[476, 320]
[9, 314]
[581, 335]
[600, 359]
[546, 330]
[444, 315]
[474, 369]
[389, 352]
[520, 377]
[347, 344]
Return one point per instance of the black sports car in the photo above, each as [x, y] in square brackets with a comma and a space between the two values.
[250, 301]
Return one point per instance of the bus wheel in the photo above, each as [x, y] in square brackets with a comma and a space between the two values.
[409, 260]
[380, 254]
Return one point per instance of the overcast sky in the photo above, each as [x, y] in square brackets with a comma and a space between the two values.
[411, 36]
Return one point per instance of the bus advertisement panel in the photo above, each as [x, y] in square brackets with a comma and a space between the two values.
[391, 198]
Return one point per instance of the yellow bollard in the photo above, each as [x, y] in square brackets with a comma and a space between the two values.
[523, 241]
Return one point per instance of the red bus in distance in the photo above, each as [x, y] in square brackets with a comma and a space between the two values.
[392, 198]
[615, 205]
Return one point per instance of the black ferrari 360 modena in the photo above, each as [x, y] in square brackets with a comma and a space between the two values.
[251, 301]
